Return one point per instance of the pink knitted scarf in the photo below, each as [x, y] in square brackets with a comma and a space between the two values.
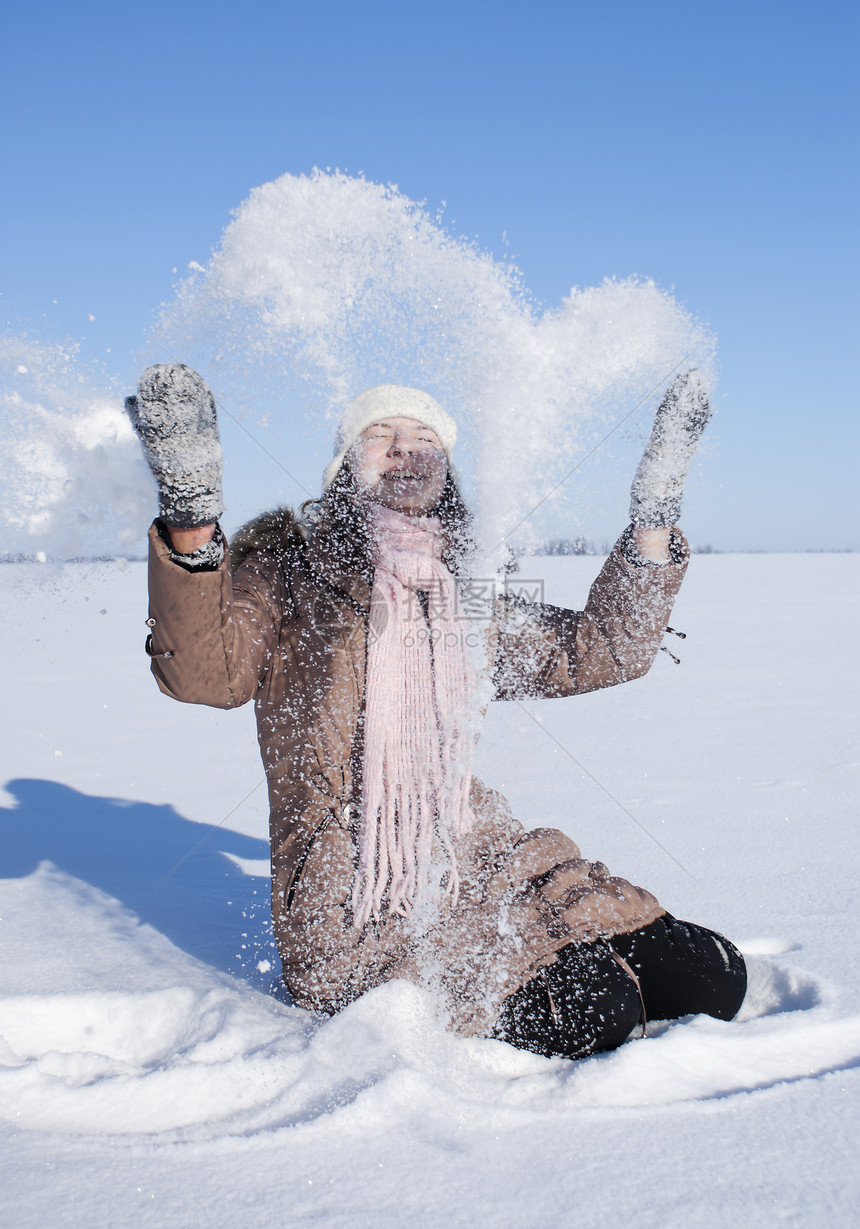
[418, 741]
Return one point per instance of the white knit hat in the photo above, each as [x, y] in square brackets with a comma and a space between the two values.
[389, 401]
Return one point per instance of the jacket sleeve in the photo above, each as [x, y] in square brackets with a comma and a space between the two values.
[545, 651]
[212, 634]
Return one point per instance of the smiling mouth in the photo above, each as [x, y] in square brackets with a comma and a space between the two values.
[402, 475]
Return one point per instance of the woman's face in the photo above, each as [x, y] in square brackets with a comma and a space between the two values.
[400, 463]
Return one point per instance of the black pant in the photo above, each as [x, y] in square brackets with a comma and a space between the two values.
[587, 1001]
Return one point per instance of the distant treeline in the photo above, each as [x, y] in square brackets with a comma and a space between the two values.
[557, 546]
[40, 557]
[571, 546]
[585, 546]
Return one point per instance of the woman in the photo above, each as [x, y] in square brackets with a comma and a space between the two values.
[389, 859]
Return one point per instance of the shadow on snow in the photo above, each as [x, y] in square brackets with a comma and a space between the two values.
[207, 906]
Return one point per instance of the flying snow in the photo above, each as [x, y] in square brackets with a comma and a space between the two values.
[323, 285]
[75, 483]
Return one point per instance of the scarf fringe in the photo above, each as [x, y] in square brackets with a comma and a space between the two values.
[418, 745]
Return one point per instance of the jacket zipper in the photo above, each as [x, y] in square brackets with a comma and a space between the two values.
[297, 877]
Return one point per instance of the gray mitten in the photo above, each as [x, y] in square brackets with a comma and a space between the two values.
[174, 416]
[655, 497]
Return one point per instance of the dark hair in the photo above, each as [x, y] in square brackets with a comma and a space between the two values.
[340, 515]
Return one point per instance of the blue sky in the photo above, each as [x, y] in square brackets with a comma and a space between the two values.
[712, 148]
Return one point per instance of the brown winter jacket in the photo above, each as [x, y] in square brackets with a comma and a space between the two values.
[289, 632]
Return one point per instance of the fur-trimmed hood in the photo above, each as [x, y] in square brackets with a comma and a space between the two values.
[271, 532]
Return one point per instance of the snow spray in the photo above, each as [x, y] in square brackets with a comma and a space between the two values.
[74, 481]
[326, 284]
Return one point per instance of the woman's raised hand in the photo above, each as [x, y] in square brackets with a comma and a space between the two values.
[174, 417]
[655, 497]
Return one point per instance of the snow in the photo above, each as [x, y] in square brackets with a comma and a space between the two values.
[74, 481]
[327, 284]
[151, 1074]
[324, 285]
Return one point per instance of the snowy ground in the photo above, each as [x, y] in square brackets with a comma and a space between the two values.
[148, 1076]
